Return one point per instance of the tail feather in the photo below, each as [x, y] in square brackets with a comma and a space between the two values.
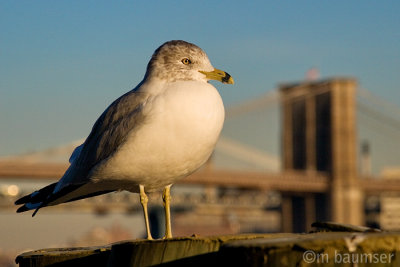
[46, 196]
[42, 198]
[22, 209]
[37, 196]
[29, 206]
[35, 200]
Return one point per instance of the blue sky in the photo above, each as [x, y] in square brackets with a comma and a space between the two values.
[63, 62]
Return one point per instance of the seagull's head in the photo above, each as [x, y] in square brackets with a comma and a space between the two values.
[183, 61]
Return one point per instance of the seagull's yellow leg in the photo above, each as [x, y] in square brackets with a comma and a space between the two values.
[143, 200]
[166, 201]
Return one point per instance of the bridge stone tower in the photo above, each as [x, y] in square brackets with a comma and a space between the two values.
[319, 134]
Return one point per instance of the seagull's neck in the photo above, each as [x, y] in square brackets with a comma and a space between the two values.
[153, 85]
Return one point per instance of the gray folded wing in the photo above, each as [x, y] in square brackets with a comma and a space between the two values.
[110, 131]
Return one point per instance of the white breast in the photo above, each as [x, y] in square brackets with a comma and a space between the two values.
[180, 131]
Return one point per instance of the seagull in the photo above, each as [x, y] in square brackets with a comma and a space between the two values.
[149, 138]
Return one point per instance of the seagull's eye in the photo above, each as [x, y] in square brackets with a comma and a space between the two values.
[186, 61]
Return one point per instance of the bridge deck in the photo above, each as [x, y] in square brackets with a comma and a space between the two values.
[288, 181]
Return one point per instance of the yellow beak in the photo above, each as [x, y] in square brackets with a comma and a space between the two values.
[218, 75]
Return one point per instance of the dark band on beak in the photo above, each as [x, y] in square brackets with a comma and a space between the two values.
[226, 78]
